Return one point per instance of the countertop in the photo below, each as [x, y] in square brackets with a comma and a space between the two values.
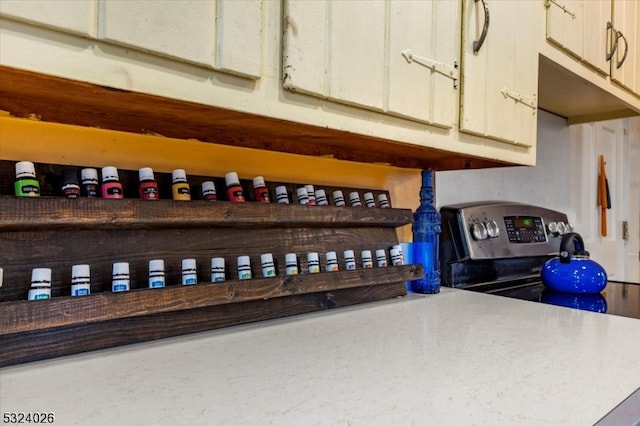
[454, 358]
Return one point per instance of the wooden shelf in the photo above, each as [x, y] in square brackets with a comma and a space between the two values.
[22, 316]
[56, 233]
[32, 214]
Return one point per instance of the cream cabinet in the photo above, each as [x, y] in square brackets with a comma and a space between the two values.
[225, 35]
[625, 63]
[499, 71]
[402, 58]
[580, 28]
[396, 57]
[602, 34]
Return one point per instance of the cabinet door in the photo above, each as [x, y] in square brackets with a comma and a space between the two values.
[579, 28]
[500, 79]
[74, 16]
[397, 57]
[625, 70]
[224, 34]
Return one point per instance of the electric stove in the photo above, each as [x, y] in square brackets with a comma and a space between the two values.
[499, 247]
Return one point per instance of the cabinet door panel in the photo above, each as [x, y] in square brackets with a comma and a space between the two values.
[343, 51]
[75, 16]
[580, 29]
[565, 28]
[182, 29]
[596, 15]
[239, 37]
[626, 19]
[415, 90]
[499, 82]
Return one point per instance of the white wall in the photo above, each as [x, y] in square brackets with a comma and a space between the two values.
[544, 185]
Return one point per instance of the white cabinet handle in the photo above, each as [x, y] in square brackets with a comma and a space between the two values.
[530, 102]
[445, 69]
[561, 6]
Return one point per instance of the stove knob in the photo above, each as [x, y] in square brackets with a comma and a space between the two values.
[479, 231]
[492, 229]
[553, 227]
[562, 228]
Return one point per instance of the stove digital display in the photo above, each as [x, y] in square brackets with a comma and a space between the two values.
[525, 229]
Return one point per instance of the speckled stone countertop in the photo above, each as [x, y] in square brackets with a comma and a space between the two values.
[455, 358]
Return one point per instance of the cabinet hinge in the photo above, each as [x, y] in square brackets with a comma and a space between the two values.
[453, 72]
[556, 3]
[625, 230]
[530, 102]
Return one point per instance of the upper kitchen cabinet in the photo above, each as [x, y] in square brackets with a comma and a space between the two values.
[580, 28]
[589, 63]
[625, 36]
[396, 57]
[223, 34]
[499, 71]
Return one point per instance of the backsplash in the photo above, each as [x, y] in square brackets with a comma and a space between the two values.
[544, 185]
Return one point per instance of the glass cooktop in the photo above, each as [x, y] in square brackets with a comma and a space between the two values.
[617, 298]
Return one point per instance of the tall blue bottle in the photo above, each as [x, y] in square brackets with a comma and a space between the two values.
[426, 238]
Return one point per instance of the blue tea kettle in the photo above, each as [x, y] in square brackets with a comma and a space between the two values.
[572, 271]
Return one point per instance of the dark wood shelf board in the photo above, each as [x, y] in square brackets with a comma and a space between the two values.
[60, 100]
[26, 316]
[29, 214]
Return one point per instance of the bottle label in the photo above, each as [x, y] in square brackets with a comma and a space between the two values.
[112, 190]
[217, 278]
[235, 194]
[180, 191]
[71, 191]
[291, 270]
[269, 272]
[148, 191]
[314, 268]
[156, 283]
[282, 198]
[41, 296]
[367, 264]
[244, 275]
[332, 267]
[210, 196]
[188, 280]
[117, 287]
[350, 266]
[27, 188]
[80, 291]
[262, 195]
[90, 190]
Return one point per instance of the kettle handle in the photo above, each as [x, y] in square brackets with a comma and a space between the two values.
[572, 238]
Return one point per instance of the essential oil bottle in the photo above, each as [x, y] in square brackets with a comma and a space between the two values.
[180, 188]
[40, 284]
[282, 195]
[156, 273]
[26, 184]
[209, 190]
[260, 190]
[111, 186]
[234, 189]
[80, 280]
[89, 181]
[189, 273]
[147, 188]
[120, 277]
[70, 183]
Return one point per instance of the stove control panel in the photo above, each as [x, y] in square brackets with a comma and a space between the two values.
[495, 230]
